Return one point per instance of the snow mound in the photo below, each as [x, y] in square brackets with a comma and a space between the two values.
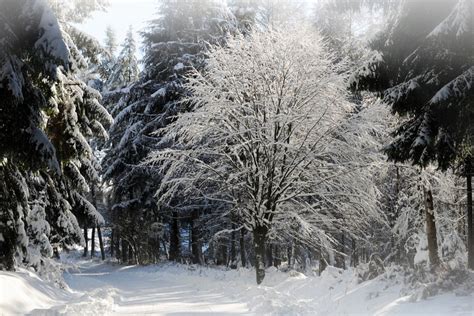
[23, 291]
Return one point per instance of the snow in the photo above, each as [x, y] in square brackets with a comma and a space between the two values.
[178, 66]
[456, 88]
[41, 143]
[23, 291]
[107, 289]
[458, 20]
[160, 92]
[51, 41]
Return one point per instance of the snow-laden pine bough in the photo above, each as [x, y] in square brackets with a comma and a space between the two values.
[49, 116]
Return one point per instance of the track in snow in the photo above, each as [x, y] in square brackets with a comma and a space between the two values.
[166, 289]
[109, 289]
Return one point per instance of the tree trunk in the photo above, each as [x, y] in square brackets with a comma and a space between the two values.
[259, 239]
[196, 248]
[93, 242]
[269, 255]
[124, 251]
[222, 254]
[276, 256]
[355, 256]
[289, 254]
[86, 248]
[132, 259]
[7, 249]
[101, 243]
[112, 242]
[393, 239]
[243, 258]
[322, 261]
[174, 238]
[8, 242]
[340, 258]
[165, 249]
[190, 237]
[233, 251]
[8, 232]
[431, 229]
[470, 232]
[118, 253]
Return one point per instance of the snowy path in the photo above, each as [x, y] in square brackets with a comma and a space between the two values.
[106, 289]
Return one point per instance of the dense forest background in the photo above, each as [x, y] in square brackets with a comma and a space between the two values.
[252, 133]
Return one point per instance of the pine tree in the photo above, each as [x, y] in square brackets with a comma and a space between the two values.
[107, 60]
[50, 115]
[110, 41]
[245, 13]
[423, 69]
[174, 43]
[125, 69]
[32, 50]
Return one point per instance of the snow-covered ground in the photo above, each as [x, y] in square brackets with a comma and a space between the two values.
[166, 289]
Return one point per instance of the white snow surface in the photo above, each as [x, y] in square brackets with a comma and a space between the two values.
[97, 288]
[160, 92]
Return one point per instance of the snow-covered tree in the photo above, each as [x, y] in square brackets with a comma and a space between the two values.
[174, 43]
[271, 133]
[125, 69]
[32, 50]
[110, 40]
[245, 13]
[103, 68]
[410, 231]
[49, 116]
[423, 69]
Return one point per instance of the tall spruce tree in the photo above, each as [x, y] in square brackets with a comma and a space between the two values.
[174, 43]
[105, 65]
[110, 40]
[48, 116]
[125, 69]
[424, 69]
[28, 33]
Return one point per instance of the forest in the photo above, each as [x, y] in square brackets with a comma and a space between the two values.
[272, 136]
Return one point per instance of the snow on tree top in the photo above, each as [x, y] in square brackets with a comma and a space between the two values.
[458, 20]
[51, 41]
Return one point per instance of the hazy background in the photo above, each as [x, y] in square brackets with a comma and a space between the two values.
[120, 15]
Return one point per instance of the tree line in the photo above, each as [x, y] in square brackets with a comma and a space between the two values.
[255, 134]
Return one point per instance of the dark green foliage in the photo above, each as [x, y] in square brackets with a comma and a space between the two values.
[174, 43]
[47, 117]
[425, 72]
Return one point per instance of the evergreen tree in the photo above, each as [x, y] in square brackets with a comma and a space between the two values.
[174, 43]
[125, 69]
[110, 41]
[48, 115]
[423, 69]
[104, 66]
[245, 13]
[32, 50]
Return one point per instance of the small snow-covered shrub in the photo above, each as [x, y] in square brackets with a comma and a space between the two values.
[371, 269]
[422, 283]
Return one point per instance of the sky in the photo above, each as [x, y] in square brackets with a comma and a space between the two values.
[120, 15]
